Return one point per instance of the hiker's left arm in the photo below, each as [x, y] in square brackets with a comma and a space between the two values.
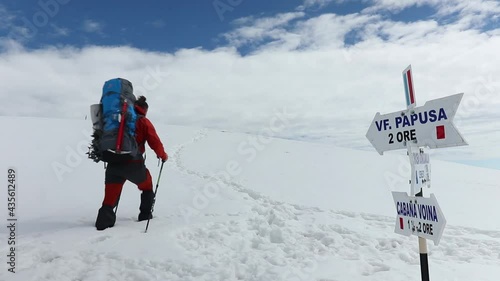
[154, 141]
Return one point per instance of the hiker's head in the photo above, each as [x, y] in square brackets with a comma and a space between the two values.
[141, 102]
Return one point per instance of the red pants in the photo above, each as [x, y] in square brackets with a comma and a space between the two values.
[116, 175]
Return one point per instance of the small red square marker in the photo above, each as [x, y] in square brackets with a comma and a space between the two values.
[440, 132]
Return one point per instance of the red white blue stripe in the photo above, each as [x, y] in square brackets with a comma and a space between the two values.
[409, 90]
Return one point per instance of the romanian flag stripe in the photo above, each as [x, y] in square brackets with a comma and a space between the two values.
[408, 83]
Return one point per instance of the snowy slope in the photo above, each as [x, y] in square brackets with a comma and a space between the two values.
[228, 209]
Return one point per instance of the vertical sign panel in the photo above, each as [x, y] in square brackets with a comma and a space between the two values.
[409, 89]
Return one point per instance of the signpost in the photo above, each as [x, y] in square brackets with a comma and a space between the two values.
[419, 216]
[430, 125]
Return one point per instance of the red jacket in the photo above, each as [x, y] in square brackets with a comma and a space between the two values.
[145, 132]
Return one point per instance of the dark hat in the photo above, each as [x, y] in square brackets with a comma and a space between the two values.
[141, 102]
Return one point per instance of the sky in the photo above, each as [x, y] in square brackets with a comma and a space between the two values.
[234, 65]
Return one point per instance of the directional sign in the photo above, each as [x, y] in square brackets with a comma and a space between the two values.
[419, 216]
[428, 125]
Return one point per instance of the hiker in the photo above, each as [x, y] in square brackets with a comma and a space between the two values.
[133, 170]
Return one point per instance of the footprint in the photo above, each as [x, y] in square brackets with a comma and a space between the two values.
[100, 239]
[375, 267]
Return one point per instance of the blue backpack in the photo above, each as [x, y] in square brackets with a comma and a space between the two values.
[113, 121]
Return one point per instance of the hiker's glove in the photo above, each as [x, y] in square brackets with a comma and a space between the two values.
[164, 157]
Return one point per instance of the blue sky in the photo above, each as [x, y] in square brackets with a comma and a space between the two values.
[163, 25]
[151, 25]
[232, 64]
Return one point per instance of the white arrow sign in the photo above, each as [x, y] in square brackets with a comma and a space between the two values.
[428, 125]
[419, 216]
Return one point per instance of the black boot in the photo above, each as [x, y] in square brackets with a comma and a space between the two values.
[147, 199]
[105, 218]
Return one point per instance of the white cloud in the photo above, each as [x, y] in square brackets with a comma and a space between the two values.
[398, 5]
[256, 30]
[316, 3]
[13, 31]
[10, 45]
[468, 14]
[6, 18]
[92, 26]
[478, 7]
[330, 29]
[304, 67]
[321, 3]
[59, 31]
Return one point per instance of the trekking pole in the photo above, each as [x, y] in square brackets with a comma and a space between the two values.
[154, 198]
[117, 202]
